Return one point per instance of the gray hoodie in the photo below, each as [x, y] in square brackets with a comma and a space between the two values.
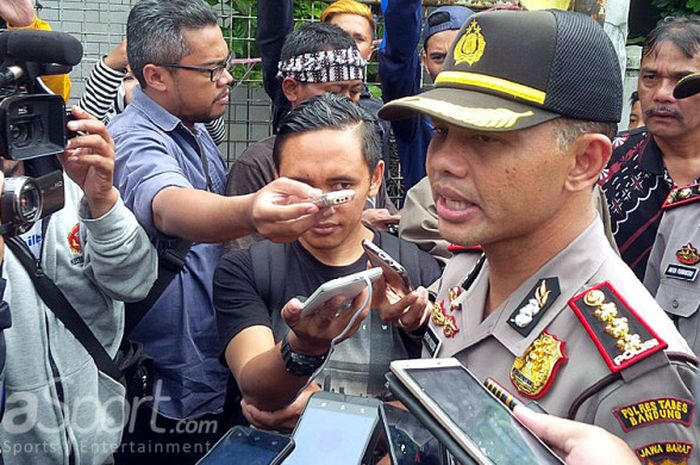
[97, 263]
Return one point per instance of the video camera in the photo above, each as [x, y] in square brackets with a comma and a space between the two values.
[32, 123]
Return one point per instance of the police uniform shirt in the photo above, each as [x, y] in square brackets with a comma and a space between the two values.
[672, 270]
[567, 361]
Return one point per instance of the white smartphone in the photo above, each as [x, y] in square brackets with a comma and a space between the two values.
[348, 286]
[472, 415]
[332, 199]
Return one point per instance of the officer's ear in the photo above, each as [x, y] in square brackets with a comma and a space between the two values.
[591, 154]
[156, 77]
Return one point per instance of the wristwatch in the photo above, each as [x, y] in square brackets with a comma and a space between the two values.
[300, 364]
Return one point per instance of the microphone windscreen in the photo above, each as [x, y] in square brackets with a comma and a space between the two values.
[40, 47]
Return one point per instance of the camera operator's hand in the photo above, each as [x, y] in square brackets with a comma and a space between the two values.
[89, 161]
[577, 443]
[17, 13]
[312, 334]
[409, 312]
[117, 59]
[281, 211]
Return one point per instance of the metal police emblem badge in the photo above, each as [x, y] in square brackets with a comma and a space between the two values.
[533, 373]
[682, 195]
[688, 255]
[470, 46]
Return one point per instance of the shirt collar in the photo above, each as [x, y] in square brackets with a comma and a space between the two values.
[573, 267]
[153, 111]
[651, 158]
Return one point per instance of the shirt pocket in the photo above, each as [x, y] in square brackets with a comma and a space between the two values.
[681, 300]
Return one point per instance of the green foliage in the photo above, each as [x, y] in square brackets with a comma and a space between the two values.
[677, 7]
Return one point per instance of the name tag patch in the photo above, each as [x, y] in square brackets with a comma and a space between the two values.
[653, 411]
[686, 273]
[432, 342]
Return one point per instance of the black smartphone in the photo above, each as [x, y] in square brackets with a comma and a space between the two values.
[395, 274]
[249, 446]
[336, 429]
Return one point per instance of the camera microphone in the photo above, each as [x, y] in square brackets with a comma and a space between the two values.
[10, 74]
[40, 47]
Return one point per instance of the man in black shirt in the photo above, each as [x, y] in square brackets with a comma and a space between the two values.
[331, 144]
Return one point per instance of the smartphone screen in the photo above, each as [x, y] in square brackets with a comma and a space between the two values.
[246, 445]
[482, 418]
[333, 432]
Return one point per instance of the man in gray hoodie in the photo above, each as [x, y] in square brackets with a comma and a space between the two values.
[60, 408]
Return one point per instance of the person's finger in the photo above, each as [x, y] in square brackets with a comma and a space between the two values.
[291, 187]
[391, 312]
[560, 434]
[94, 142]
[291, 312]
[81, 114]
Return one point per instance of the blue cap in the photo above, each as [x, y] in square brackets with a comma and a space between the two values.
[444, 19]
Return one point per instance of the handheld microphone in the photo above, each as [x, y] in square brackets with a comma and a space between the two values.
[40, 47]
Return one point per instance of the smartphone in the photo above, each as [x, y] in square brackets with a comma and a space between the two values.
[242, 444]
[336, 429]
[472, 415]
[332, 199]
[395, 274]
[348, 286]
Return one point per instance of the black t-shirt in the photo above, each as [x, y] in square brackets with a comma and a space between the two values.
[239, 306]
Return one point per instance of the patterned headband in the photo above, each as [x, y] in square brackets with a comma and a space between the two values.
[324, 66]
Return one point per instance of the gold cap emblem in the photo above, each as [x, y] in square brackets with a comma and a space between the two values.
[470, 46]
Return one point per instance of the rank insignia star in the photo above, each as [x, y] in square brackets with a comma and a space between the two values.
[688, 255]
[532, 373]
[535, 304]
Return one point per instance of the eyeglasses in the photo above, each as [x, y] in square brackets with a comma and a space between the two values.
[215, 72]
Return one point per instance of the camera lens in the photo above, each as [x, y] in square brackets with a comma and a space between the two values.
[21, 134]
[29, 203]
[20, 204]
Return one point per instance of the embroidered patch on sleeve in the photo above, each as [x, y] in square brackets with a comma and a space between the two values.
[667, 453]
[653, 411]
[620, 335]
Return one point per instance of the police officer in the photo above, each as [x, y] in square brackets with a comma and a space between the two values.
[672, 270]
[549, 312]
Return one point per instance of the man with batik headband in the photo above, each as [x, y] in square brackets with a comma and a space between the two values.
[317, 58]
[550, 312]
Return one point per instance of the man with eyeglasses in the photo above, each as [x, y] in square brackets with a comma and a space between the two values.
[172, 177]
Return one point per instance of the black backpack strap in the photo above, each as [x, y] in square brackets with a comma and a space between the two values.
[269, 262]
[170, 264]
[64, 311]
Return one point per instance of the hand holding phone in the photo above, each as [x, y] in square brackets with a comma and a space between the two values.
[394, 273]
[333, 199]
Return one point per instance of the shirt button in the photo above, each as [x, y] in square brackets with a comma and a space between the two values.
[674, 304]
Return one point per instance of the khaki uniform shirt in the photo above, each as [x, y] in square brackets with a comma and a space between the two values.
[644, 399]
[672, 270]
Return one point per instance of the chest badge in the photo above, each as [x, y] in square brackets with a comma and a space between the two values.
[533, 373]
[688, 255]
[534, 306]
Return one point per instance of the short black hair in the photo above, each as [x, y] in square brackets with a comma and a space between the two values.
[634, 98]
[154, 31]
[331, 111]
[315, 37]
[684, 33]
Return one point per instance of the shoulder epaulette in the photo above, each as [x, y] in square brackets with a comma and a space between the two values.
[454, 248]
[620, 335]
[682, 195]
